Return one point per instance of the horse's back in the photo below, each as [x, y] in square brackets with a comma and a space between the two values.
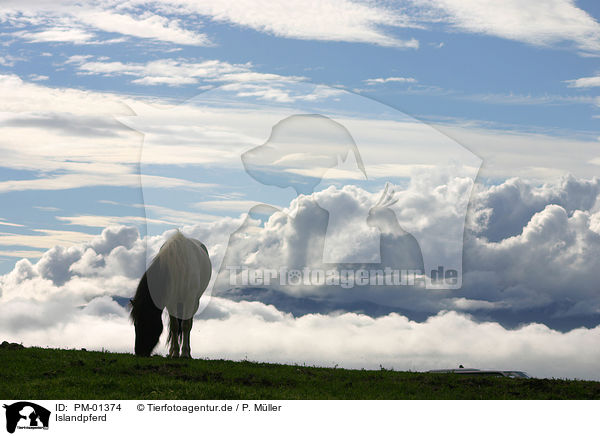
[182, 272]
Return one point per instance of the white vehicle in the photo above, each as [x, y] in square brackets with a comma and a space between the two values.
[482, 372]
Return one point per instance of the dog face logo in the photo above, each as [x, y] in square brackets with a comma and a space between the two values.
[26, 415]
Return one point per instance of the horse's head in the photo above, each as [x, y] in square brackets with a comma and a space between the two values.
[147, 319]
[147, 333]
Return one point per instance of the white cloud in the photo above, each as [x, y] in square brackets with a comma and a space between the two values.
[543, 23]
[241, 206]
[78, 267]
[38, 77]
[8, 60]
[537, 245]
[584, 82]
[178, 217]
[529, 99]
[553, 259]
[21, 96]
[170, 71]
[177, 72]
[43, 238]
[72, 133]
[78, 59]
[94, 177]
[251, 76]
[168, 216]
[22, 254]
[57, 34]
[507, 208]
[278, 91]
[393, 341]
[47, 208]
[526, 247]
[101, 220]
[148, 26]
[9, 224]
[348, 21]
[81, 22]
[529, 155]
[381, 80]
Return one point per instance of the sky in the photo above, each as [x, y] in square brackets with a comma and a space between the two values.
[240, 124]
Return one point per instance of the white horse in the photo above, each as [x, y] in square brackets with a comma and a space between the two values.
[175, 280]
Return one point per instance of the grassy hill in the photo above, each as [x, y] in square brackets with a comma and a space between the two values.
[39, 373]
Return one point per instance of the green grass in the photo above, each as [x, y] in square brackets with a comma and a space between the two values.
[39, 373]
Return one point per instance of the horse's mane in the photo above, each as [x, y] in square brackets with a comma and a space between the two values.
[141, 300]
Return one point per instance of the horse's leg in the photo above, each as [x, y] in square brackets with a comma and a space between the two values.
[174, 336]
[186, 350]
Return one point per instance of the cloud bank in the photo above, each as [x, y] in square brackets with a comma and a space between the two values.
[255, 331]
[531, 251]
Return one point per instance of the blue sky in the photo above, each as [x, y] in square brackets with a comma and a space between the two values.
[474, 75]
[447, 65]
[513, 83]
